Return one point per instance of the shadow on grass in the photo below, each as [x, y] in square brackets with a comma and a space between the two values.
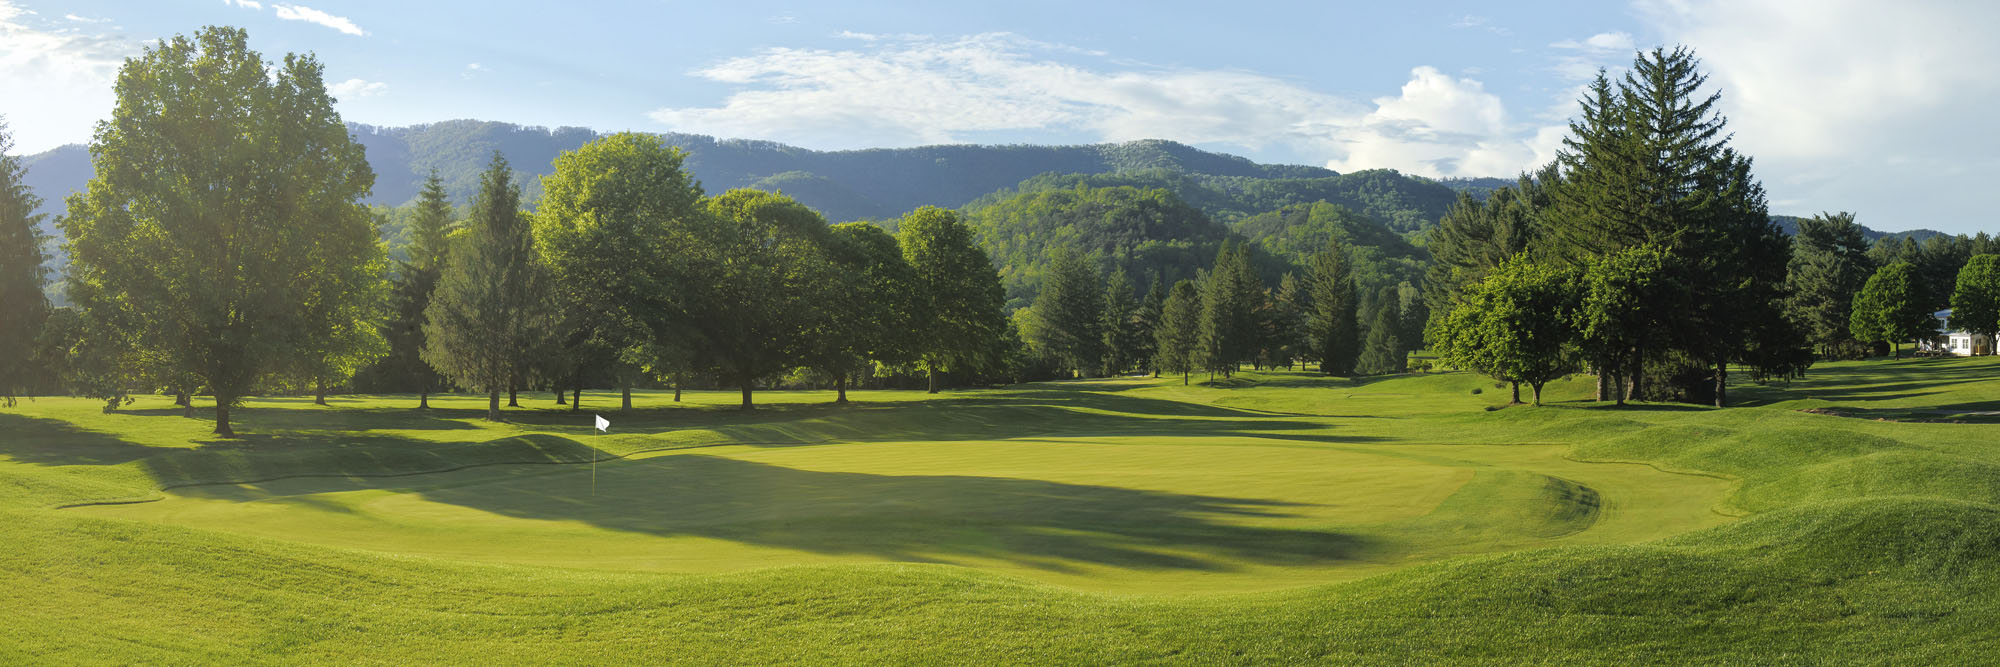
[932, 518]
[43, 441]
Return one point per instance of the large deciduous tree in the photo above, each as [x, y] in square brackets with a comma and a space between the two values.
[223, 216]
[23, 306]
[1975, 303]
[1890, 308]
[868, 304]
[957, 297]
[610, 223]
[764, 297]
[492, 310]
[1515, 325]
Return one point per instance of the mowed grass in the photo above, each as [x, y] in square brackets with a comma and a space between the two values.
[1272, 517]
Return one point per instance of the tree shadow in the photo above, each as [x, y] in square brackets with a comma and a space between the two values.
[54, 442]
[305, 416]
[929, 518]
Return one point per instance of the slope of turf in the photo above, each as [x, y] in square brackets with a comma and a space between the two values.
[1394, 520]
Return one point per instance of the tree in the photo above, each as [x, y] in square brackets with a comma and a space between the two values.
[1146, 325]
[870, 310]
[22, 302]
[1516, 325]
[1975, 304]
[1383, 353]
[1890, 308]
[957, 297]
[1231, 296]
[1828, 267]
[492, 309]
[225, 203]
[765, 293]
[1622, 294]
[410, 292]
[1179, 330]
[1330, 319]
[1119, 324]
[606, 227]
[1067, 315]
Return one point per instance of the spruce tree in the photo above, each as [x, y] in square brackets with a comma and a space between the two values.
[1330, 321]
[23, 306]
[1068, 313]
[1828, 267]
[492, 308]
[1383, 352]
[1221, 314]
[1179, 332]
[410, 294]
[1146, 324]
[1118, 325]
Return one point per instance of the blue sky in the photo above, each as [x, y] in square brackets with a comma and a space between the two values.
[1878, 108]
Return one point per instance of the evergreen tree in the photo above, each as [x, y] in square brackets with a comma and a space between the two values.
[492, 308]
[1890, 308]
[1330, 321]
[1828, 267]
[1068, 314]
[1288, 321]
[1145, 332]
[410, 294]
[1975, 303]
[957, 300]
[1179, 333]
[1119, 325]
[223, 227]
[1383, 353]
[23, 306]
[1222, 314]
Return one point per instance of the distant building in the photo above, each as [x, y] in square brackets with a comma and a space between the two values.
[1958, 342]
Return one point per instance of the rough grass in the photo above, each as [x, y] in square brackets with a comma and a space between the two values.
[1280, 517]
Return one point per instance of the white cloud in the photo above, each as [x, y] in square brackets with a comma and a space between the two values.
[1482, 23]
[85, 19]
[70, 72]
[246, 4]
[355, 88]
[920, 90]
[317, 17]
[1603, 42]
[1853, 104]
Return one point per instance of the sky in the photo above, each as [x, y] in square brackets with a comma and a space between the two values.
[1880, 108]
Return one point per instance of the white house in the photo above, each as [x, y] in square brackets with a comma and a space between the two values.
[1958, 342]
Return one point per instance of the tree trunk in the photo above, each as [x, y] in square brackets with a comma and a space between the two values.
[933, 378]
[677, 388]
[1618, 387]
[1603, 383]
[1537, 386]
[1721, 383]
[187, 404]
[513, 395]
[746, 394]
[493, 404]
[1517, 392]
[1184, 378]
[222, 416]
[319, 392]
[575, 399]
[840, 386]
[559, 396]
[423, 399]
[1637, 392]
[625, 395]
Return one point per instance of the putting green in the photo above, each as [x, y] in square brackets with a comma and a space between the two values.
[1113, 514]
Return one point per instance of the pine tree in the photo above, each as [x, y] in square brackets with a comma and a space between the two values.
[1221, 314]
[1146, 325]
[1828, 267]
[23, 306]
[492, 308]
[410, 293]
[1330, 322]
[1068, 313]
[1118, 325]
[1383, 353]
[1179, 332]
[1288, 320]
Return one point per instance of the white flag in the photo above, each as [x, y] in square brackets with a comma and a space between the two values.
[602, 423]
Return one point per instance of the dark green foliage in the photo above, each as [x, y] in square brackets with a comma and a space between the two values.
[1145, 328]
[1121, 326]
[869, 304]
[23, 306]
[1176, 339]
[1975, 303]
[1829, 265]
[957, 300]
[760, 295]
[222, 234]
[492, 309]
[1332, 328]
[1476, 236]
[1624, 298]
[1231, 299]
[410, 291]
[1143, 232]
[1066, 319]
[1285, 341]
[1890, 308]
[1405, 204]
[1383, 352]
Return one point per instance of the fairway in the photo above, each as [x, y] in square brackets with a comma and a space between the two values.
[1276, 517]
[1114, 514]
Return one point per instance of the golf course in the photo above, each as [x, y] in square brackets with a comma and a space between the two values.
[1271, 517]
